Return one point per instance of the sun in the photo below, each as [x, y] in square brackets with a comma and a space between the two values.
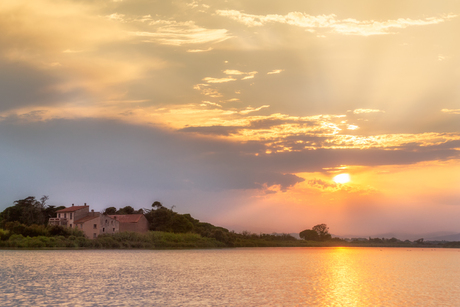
[342, 178]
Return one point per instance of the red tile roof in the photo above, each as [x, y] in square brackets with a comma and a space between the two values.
[128, 218]
[87, 218]
[72, 209]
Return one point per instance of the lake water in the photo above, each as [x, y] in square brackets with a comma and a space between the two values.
[232, 277]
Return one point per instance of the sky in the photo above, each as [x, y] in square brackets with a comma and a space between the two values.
[241, 113]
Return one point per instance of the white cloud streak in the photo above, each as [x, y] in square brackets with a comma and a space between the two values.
[199, 50]
[276, 71]
[361, 111]
[218, 80]
[451, 111]
[347, 26]
[182, 33]
[248, 75]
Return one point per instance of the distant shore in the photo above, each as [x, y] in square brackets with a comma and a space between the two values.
[166, 240]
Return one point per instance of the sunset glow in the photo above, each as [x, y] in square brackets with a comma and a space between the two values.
[342, 178]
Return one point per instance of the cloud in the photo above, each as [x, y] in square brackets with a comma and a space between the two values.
[451, 111]
[248, 75]
[183, 161]
[321, 184]
[251, 109]
[181, 33]
[347, 26]
[233, 72]
[212, 130]
[366, 111]
[276, 71]
[199, 50]
[205, 103]
[218, 80]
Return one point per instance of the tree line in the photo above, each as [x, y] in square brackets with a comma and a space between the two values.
[25, 224]
[29, 211]
[29, 218]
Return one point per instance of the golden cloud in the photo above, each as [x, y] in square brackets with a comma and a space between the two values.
[347, 26]
[451, 111]
[361, 111]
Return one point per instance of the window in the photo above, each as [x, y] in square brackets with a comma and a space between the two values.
[112, 222]
[59, 215]
[94, 235]
[95, 226]
[114, 230]
[70, 215]
[103, 229]
[70, 226]
[65, 215]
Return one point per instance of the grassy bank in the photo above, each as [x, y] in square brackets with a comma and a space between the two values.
[150, 240]
[167, 240]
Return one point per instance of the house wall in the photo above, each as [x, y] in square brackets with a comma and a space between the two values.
[108, 225]
[141, 226]
[88, 227]
[68, 219]
[100, 224]
[76, 215]
[80, 214]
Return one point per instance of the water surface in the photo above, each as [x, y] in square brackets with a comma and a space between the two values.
[232, 277]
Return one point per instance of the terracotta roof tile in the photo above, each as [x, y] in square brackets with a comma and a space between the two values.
[128, 218]
[72, 209]
[87, 218]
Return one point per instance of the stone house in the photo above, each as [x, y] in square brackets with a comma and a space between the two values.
[91, 223]
[67, 217]
[94, 224]
[132, 222]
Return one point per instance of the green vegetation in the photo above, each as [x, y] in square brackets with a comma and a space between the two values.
[124, 210]
[29, 211]
[24, 225]
[317, 233]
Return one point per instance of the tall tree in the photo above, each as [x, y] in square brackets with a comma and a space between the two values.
[309, 234]
[110, 210]
[27, 211]
[323, 232]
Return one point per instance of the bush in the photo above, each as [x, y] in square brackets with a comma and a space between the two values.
[4, 234]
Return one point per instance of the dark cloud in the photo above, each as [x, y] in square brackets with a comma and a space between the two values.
[212, 130]
[110, 153]
[318, 183]
[22, 85]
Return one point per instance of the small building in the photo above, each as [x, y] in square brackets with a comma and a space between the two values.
[132, 222]
[95, 224]
[91, 223]
[67, 217]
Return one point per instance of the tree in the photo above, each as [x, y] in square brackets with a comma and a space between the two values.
[323, 232]
[180, 224]
[318, 232]
[27, 211]
[309, 234]
[126, 210]
[110, 211]
[157, 205]
[50, 211]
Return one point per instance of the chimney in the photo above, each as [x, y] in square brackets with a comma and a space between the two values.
[72, 205]
[92, 212]
[85, 204]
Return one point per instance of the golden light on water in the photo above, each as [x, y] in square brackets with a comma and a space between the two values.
[342, 178]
